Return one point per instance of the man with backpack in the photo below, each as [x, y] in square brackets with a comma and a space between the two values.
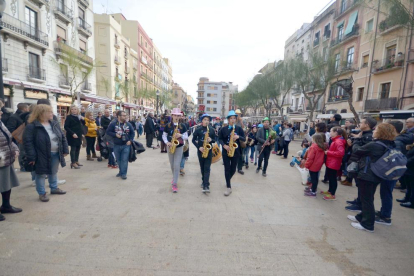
[377, 161]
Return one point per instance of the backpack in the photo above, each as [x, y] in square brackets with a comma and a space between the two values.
[291, 135]
[391, 166]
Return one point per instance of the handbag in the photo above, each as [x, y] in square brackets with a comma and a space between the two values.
[84, 129]
[18, 133]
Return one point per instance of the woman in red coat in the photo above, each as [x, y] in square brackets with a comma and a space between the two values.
[334, 160]
[314, 161]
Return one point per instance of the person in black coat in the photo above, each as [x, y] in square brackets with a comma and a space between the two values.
[334, 121]
[367, 180]
[14, 122]
[74, 132]
[149, 130]
[46, 147]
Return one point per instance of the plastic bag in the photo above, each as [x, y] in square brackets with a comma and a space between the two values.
[304, 173]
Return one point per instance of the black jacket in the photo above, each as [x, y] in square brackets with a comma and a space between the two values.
[7, 113]
[365, 139]
[105, 122]
[38, 147]
[14, 121]
[332, 124]
[149, 125]
[402, 140]
[410, 162]
[73, 125]
[224, 136]
[261, 136]
[198, 136]
[374, 151]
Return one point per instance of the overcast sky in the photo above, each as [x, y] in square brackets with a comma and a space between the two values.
[224, 40]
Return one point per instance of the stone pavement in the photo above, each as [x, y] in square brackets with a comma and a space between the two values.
[107, 226]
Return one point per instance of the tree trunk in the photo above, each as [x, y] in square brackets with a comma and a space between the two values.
[351, 106]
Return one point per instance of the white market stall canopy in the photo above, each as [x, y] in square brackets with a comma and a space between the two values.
[344, 116]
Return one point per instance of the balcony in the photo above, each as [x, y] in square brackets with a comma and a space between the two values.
[5, 66]
[345, 68]
[64, 82]
[126, 55]
[338, 98]
[387, 26]
[36, 74]
[381, 104]
[127, 70]
[339, 40]
[84, 3]
[87, 87]
[344, 9]
[388, 64]
[40, 2]
[23, 31]
[63, 13]
[84, 28]
[61, 49]
[116, 44]
[117, 60]
[316, 42]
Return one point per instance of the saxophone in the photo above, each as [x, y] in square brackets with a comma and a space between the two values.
[174, 141]
[232, 144]
[206, 144]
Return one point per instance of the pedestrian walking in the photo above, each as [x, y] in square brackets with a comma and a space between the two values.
[46, 148]
[90, 136]
[74, 133]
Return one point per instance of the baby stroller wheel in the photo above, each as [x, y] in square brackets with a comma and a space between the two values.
[99, 159]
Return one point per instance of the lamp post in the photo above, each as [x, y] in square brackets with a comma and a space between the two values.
[2, 8]
[158, 94]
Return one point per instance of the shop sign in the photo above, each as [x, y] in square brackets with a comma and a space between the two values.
[35, 94]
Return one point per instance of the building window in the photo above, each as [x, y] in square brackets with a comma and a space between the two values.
[343, 6]
[337, 60]
[370, 26]
[81, 13]
[316, 41]
[360, 94]
[340, 32]
[34, 65]
[350, 57]
[391, 54]
[365, 60]
[31, 20]
[61, 34]
[327, 31]
[82, 46]
[385, 90]
[215, 102]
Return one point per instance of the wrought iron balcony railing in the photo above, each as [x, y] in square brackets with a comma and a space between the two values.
[84, 26]
[381, 104]
[338, 40]
[380, 66]
[37, 73]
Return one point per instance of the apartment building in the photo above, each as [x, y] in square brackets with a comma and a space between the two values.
[158, 69]
[36, 34]
[117, 74]
[228, 101]
[167, 74]
[190, 105]
[179, 96]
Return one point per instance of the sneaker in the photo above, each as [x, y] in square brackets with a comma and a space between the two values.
[241, 172]
[352, 218]
[174, 188]
[273, 152]
[227, 192]
[57, 192]
[352, 202]
[61, 182]
[205, 190]
[358, 226]
[251, 160]
[325, 193]
[44, 198]
[182, 173]
[110, 166]
[257, 170]
[115, 167]
[385, 221]
[346, 183]
[124, 177]
[118, 175]
[310, 194]
[407, 205]
[307, 189]
[329, 197]
[353, 208]
[255, 163]
[325, 181]
[264, 174]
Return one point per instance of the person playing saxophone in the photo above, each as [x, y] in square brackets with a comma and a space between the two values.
[204, 146]
[265, 139]
[236, 134]
[174, 136]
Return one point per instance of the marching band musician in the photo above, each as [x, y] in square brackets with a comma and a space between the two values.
[264, 145]
[181, 136]
[239, 122]
[198, 141]
[230, 163]
[251, 146]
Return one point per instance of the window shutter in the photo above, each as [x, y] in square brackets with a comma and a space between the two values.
[352, 20]
[61, 32]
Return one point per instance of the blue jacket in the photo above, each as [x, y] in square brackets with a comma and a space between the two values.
[276, 128]
[117, 128]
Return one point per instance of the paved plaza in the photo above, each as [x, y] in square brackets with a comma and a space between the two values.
[108, 226]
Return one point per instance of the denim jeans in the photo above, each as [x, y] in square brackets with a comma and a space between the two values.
[386, 188]
[40, 179]
[252, 151]
[246, 155]
[182, 164]
[111, 159]
[122, 157]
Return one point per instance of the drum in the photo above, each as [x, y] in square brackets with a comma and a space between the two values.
[216, 153]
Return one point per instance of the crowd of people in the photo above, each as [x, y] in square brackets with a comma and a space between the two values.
[34, 136]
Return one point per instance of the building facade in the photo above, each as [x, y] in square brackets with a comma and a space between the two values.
[36, 35]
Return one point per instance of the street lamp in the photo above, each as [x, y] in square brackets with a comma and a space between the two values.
[2, 8]
[158, 94]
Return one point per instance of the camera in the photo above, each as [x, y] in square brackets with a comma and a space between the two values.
[356, 131]
[124, 138]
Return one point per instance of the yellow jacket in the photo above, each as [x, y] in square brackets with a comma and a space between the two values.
[91, 125]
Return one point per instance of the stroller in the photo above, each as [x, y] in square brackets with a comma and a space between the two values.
[103, 147]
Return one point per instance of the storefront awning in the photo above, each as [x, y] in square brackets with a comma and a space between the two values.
[130, 105]
[97, 99]
[397, 114]
[344, 116]
[36, 86]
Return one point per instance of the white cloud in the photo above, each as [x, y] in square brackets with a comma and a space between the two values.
[224, 40]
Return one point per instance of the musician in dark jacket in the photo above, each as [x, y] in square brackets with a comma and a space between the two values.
[74, 132]
[46, 148]
[367, 180]
[230, 163]
[198, 141]
[263, 140]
